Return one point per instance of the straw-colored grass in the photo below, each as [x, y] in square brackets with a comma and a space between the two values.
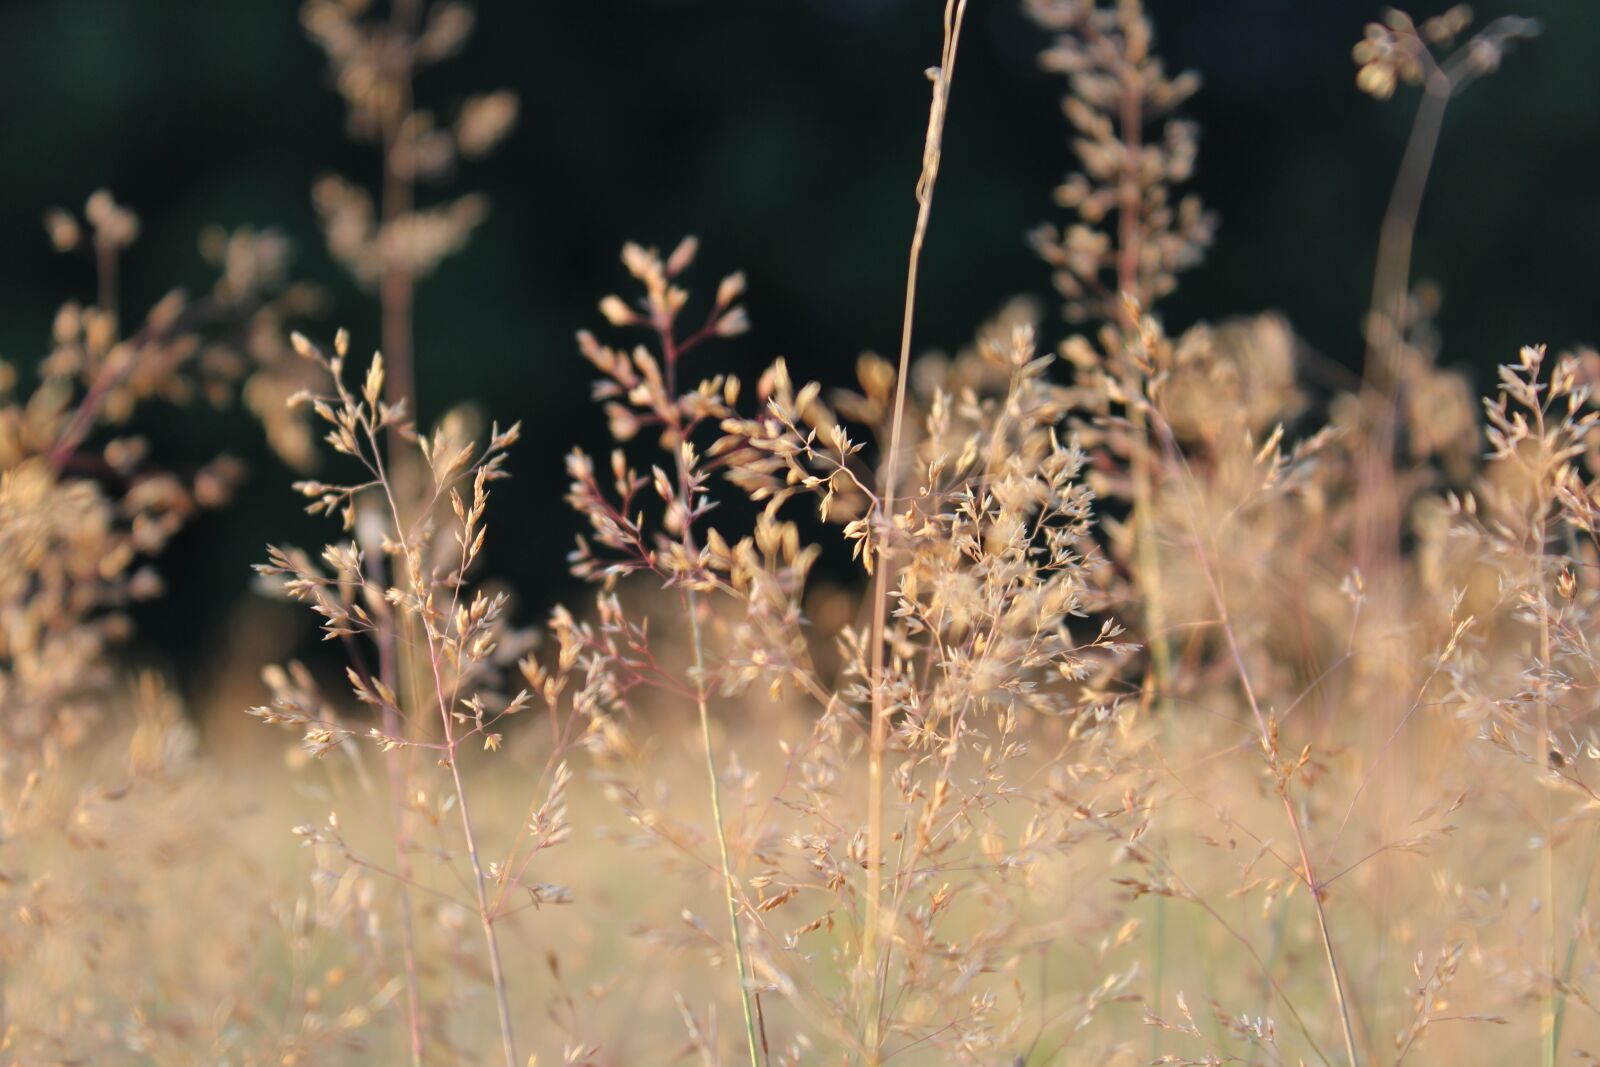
[1170, 715]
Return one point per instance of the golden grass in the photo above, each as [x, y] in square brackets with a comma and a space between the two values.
[1171, 716]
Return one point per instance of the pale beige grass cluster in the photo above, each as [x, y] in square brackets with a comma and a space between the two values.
[1168, 716]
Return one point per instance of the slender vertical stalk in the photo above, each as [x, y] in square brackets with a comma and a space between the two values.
[502, 1003]
[1378, 503]
[691, 608]
[1547, 1002]
[396, 767]
[1397, 234]
[395, 290]
[1147, 562]
[436, 652]
[1129, 234]
[955, 11]
[1377, 506]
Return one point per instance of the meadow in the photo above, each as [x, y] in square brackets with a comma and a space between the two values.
[1090, 694]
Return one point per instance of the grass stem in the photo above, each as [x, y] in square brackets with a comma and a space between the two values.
[954, 13]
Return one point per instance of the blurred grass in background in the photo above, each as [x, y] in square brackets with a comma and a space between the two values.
[785, 135]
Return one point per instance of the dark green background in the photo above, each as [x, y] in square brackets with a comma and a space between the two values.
[787, 135]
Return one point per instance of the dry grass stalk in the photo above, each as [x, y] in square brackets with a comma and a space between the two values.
[887, 513]
[458, 638]
[374, 60]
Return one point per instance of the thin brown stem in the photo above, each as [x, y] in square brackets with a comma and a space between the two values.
[395, 293]
[954, 13]
[1147, 575]
[502, 1002]
[397, 769]
[1377, 535]
[436, 652]
[1547, 1001]
[1377, 504]
[672, 351]
[752, 1042]
[1397, 235]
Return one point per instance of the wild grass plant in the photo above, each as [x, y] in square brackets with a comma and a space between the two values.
[1171, 712]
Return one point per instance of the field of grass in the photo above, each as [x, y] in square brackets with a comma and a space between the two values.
[1160, 708]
